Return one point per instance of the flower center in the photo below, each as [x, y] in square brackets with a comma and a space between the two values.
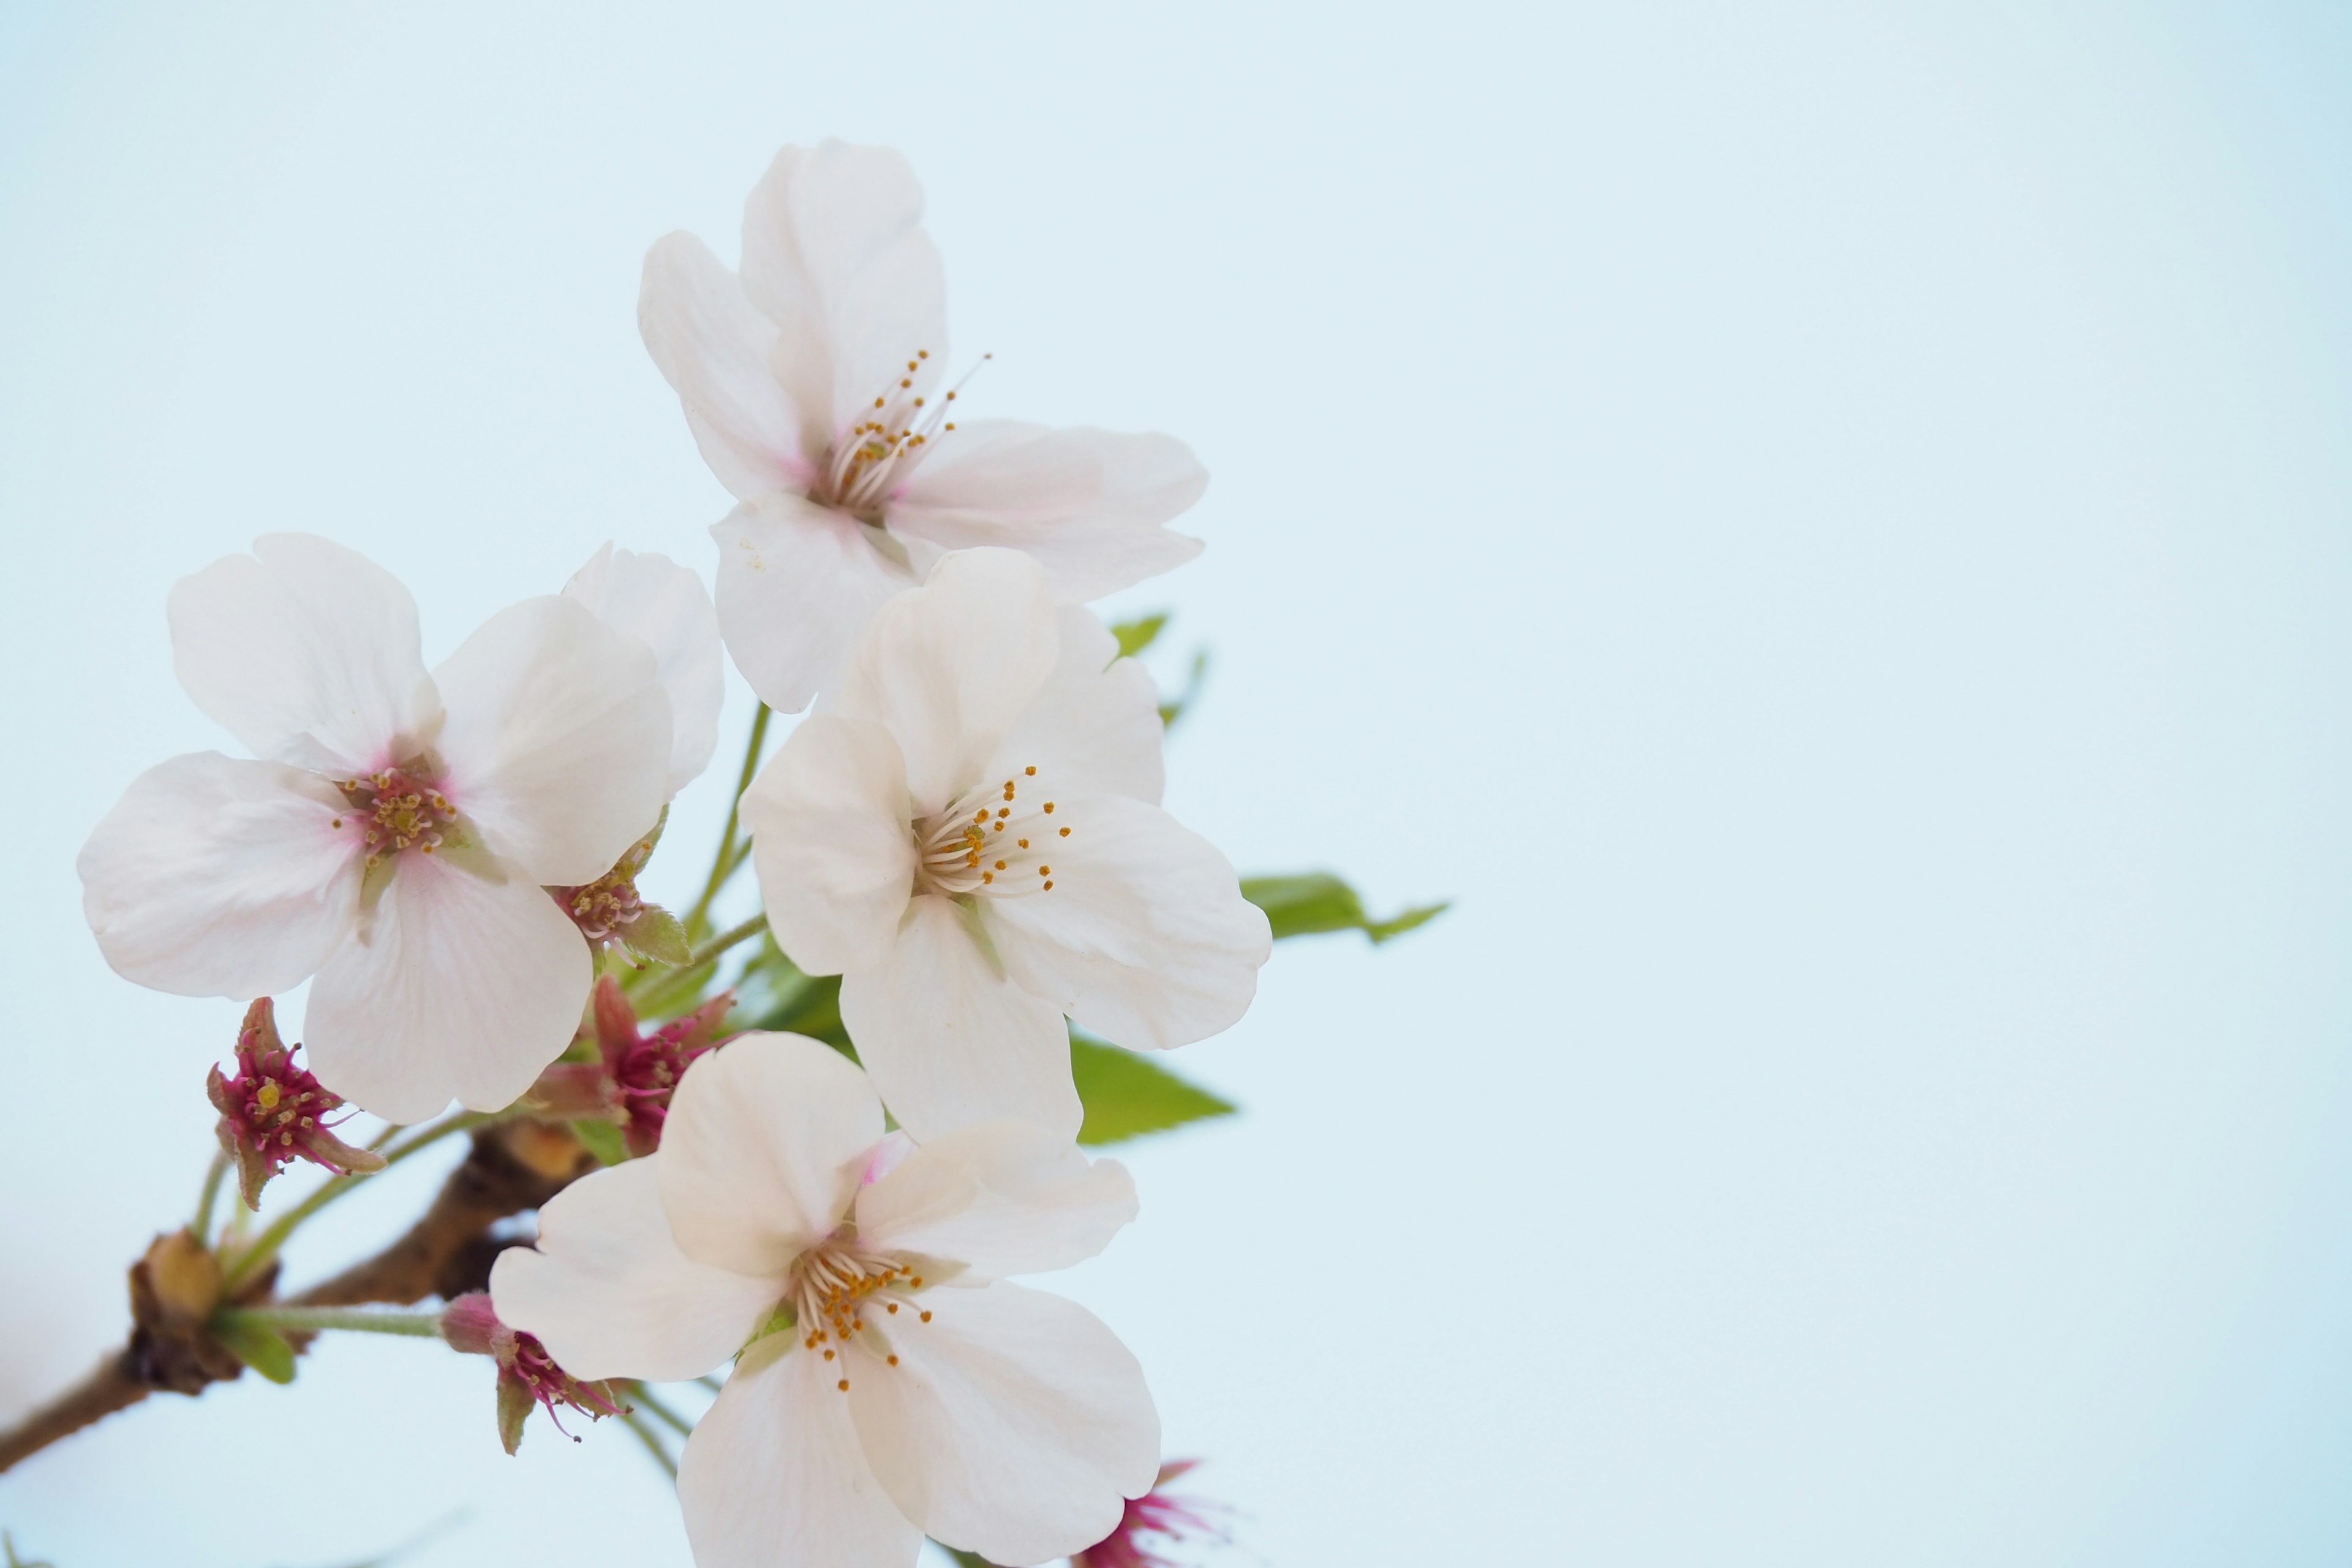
[604, 905]
[880, 452]
[396, 809]
[842, 1297]
[996, 840]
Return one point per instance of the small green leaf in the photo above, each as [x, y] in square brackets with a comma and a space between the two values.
[601, 1139]
[8, 1544]
[258, 1345]
[1135, 636]
[657, 935]
[1175, 707]
[1127, 1094]
[1316, 901]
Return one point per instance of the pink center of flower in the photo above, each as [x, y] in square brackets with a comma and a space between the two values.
[843, 1297]
[879, 453]
[397, 809]
[996, 841]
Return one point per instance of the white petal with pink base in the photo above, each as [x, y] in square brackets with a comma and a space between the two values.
[893, 1385]
[393, 837]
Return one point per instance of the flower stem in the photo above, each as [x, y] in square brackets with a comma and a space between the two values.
[727, 939]
[312, 1319]
[265, 1246]
[724, 864]
[653, 1444]
[670, 1418]
[202, 1228]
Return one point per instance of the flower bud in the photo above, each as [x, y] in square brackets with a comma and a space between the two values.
[528, 1376]
[273, 1111]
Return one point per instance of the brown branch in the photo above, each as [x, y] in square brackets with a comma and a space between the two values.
[513, 1166]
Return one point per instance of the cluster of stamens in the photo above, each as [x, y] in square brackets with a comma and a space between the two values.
[834, 1286]
[880, 452]
[988, 842]
[604, 905]
[395, 812]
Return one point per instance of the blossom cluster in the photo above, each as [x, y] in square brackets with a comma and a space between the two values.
[965, 827]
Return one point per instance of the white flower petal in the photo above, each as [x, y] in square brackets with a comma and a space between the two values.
[774, 1474]
[1015, 1424]
[665, 605]
[218, 876]
[1095, 724]
[557, 739]
[834, 254]
[713, 346]
[1145, 939]
[949, 1040]
[610, 1295]
[1001, 1197]
[305, 651]
[455, 985]
[761, 1155]
[832, 843]
[950, 666]
[1086, 505]
[797, 583]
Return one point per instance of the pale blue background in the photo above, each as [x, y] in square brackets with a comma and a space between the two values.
[1824, 525]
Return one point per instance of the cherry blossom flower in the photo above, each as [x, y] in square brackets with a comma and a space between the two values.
[636, 1073]
[811, 384]
[528, 1376]
[394, 834]
[970, 837]
[273, 1112]
[891, 1382]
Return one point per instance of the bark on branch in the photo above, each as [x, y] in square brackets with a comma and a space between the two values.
[513, 1167]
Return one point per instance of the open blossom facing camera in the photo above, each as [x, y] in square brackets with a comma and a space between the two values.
[812, 382]
[969, 837]
[896, 1385]
[393, 833]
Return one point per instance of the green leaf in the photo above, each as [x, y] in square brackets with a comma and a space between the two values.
[657, 935]
[1137, 635]
[1174, 707]
[1126, 1094]
[601, 1139]
[1316, 901]
[8, 1544]
[788, 1001]
[258, 1345]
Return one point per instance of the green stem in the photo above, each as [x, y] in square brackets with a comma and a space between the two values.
[653, 1444]
[670, 1418]
[265, 1246]
[202, 1228]
[314, 1319]
[724, 864]
[727, 939]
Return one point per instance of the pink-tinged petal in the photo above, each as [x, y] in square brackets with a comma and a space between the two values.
[832, 843]
[950, 1041]
[836, 256]
[1086, 505]
[455, 985]
[714, 347]
[305, 651]
[763, 1150]
[665, 605]
[558, 738]
[609, 1293]
[774, 1474]
[1095, 724]
[1001, 1197]
[1015, 1424]
[947, 667]
[1144, 938]
[218, 877]
[797, 583]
